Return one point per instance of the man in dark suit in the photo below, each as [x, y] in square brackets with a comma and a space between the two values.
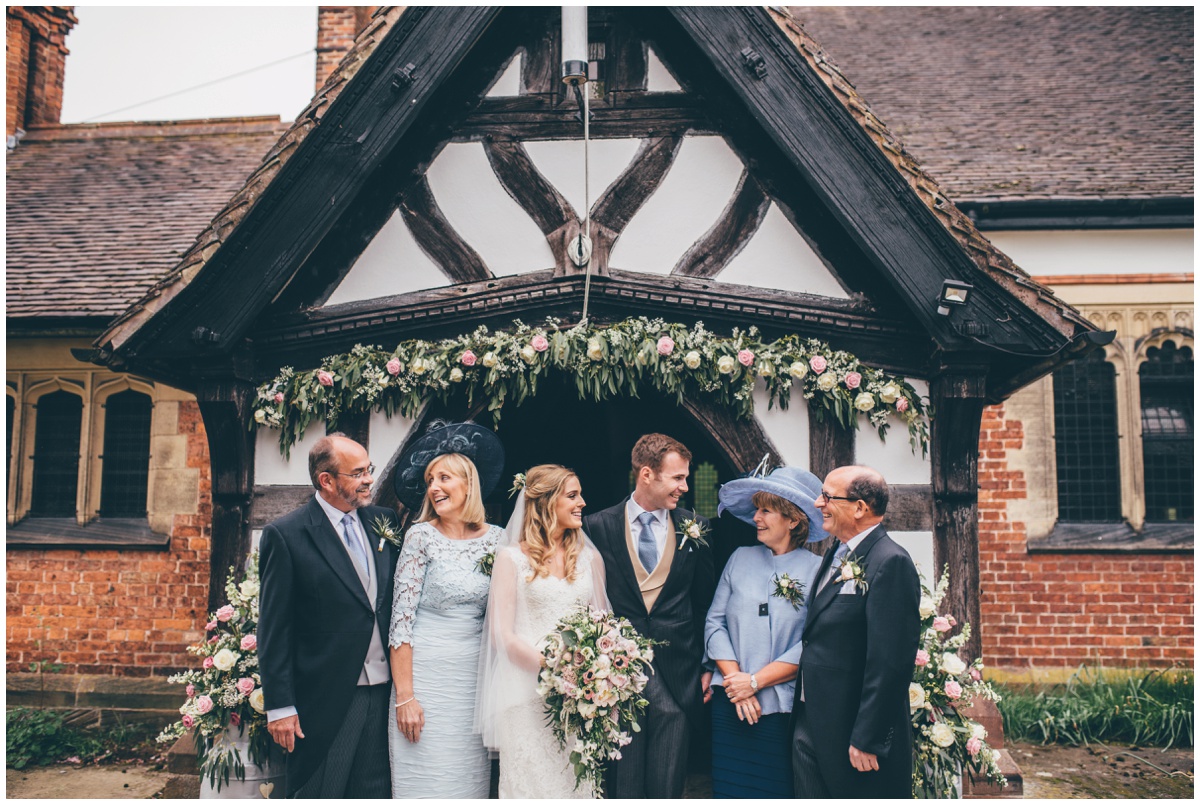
[322, 631]
[852, 734]
[662, 580]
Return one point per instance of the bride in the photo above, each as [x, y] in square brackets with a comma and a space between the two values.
[544, 569]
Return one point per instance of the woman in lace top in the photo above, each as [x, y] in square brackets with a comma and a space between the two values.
[442, 582]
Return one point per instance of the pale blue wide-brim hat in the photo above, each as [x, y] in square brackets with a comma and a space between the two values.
[790, 483]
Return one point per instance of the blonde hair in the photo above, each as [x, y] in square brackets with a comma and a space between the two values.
[543, 486]
[790, 511]
[473, 514]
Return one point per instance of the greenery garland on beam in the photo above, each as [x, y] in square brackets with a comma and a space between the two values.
[604, 361]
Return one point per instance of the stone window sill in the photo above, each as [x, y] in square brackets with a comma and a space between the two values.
[44, 533]
[1115, 538]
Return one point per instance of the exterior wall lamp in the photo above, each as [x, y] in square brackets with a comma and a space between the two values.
[954, 294]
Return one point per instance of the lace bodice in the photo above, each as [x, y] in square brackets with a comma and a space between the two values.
[439, 575]
[546, 599]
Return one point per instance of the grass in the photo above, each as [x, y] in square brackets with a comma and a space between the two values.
[38, 737]
[1145, 708]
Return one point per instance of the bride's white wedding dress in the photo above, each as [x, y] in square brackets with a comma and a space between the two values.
[532, 765]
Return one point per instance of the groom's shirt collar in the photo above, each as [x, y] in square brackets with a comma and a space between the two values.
[633, 510]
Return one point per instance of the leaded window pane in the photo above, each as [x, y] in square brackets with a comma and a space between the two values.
[56, 455]
[126, 457]
[1085, 426]
[1168, 397]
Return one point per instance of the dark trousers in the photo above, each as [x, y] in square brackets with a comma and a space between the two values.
[806, 771]
[357, 765]
[654, 765]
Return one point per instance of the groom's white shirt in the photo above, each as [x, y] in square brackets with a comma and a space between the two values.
[658, 528]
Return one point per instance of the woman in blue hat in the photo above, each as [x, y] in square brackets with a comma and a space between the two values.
[753, 631]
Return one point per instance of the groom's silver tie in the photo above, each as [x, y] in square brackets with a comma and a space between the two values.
[647, 547]
[350, 534]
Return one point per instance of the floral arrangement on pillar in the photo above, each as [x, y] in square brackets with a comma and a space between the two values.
[604, 362]
[945, 742]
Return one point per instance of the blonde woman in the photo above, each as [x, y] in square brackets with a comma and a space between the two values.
[437, 618]
[545, 569]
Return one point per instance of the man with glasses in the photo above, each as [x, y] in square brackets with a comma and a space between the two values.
[324, 611]
[852, 735]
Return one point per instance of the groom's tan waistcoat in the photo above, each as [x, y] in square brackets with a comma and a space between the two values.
[650, 584]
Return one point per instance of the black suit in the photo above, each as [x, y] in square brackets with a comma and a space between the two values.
[855, 671]
[655, 764]
[315, 625]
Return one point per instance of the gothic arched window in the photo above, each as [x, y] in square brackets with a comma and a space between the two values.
[1085, 427]
[1167, 438]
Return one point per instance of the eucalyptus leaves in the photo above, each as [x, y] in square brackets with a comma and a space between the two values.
[618, 360]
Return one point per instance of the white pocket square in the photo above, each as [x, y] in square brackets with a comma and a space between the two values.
[847, 588]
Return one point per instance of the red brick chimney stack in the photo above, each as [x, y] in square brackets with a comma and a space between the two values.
[36, 53]
[336, 28]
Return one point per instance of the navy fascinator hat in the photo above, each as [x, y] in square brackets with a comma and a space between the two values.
[475, 442]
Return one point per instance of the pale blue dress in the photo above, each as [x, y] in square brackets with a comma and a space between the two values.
[438, 608]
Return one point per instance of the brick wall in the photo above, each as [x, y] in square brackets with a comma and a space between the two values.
[110, 612]
[1066, 609]
[336, 28]
[36, 53]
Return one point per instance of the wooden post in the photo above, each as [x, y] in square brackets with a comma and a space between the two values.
[957, 394]
[226, 407]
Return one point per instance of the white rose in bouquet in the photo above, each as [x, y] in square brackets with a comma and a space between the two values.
[941, 734]
[927, 608]
[978, 730]
[224, 660]
[952, 664]
[248, 588]
[916, 697]
[257, 701]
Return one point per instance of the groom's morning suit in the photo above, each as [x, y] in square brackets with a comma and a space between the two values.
[855, 671]
[668, 604]
[322, 642]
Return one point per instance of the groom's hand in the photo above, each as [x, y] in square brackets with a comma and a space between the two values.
[285, 731]
[863, 761]
[706, 685]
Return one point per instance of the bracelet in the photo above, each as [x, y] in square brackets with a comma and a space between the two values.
[406, 701]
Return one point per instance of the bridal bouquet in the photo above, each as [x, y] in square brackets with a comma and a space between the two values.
[944, 741]
[225, 692]
[594, 669]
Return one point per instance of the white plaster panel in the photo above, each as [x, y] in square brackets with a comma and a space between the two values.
[658, 77]
[1132, 251]
[386, 435]
[561, 162]
[779, 257]
[272, 469]
[391, 264]
[482, 212]
[895, 457]
[787, 430]
[692, 196]
[919, 545]
[508, 83]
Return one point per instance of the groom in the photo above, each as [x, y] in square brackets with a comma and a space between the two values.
[852, 736]
[322, 631]
[662, 581]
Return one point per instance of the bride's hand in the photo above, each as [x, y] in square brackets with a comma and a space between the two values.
[410, 718]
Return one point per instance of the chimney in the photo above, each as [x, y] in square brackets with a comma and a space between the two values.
[36, 60]
[337, 26]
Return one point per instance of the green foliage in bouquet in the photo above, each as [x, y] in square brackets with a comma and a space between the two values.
[945, 742]
[594, 669]
[618, 360]
[226, 691]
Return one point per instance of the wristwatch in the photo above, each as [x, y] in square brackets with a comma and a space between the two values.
[753, 683]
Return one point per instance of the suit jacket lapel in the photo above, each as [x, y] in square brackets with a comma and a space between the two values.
[675, 516]
[381, 562]
[329, 543]
[826, 595]
[614, 525]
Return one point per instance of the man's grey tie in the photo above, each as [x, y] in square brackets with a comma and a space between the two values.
[838, 556]
[355, 544]
[647, 547]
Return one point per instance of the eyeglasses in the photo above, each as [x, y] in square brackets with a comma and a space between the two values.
[828, 497]
[370, 470]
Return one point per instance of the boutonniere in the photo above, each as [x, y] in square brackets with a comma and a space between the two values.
[486, 563]
[692, 531]
[851, 570]
[789, 590]
[381, 528]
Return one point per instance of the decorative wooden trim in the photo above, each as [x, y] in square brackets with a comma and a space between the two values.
[644, 114]
[1115, 279]
[624, 59]
[624, 197]
[730, 234]
[1173, 212]
[548, 208]
[743, 441]
[437, 238]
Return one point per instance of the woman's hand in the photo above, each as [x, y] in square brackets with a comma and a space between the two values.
[737, 687]
[749, 710]
[410, 718]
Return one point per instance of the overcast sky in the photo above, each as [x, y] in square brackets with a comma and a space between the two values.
[124, 56]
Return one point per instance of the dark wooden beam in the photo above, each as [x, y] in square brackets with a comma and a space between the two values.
[958, 396]
[643, 115]
[621, 201]
[730, 234]
[541, 201]
[437, 238]
[743, 440]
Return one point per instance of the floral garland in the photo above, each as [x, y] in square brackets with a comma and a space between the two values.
[604, 362]
[945, 742]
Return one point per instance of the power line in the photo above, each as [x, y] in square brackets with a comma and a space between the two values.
[200, 86]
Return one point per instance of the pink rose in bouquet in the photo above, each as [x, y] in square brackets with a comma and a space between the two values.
[974, 745]
[953, 689]
[249, 642]
[278, 396]
[324, 378]
[539, 343]
[745, 357]
[214, 639]
[941, 624]
[393, 366]
[468, 358]
[666, 345]
[188, 721]
[975, 675]
[212, 624]
[235, 719]
[853, 380]
[817, 363]
[226, 613]
[922, 657]
[190, 690]
[203, 704]
[208, 663]
[245, 686]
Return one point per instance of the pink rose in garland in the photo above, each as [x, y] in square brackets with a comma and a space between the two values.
[941, 624]
[278, 396]
[902, 404]
[666, 345]
[745, 357]
[324, 378]
[817, 363]
[393, 367]
[468, 358]
[539, 343]
[225, 613]
[853, 380]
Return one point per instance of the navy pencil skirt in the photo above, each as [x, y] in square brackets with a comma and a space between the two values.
[749, 761]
